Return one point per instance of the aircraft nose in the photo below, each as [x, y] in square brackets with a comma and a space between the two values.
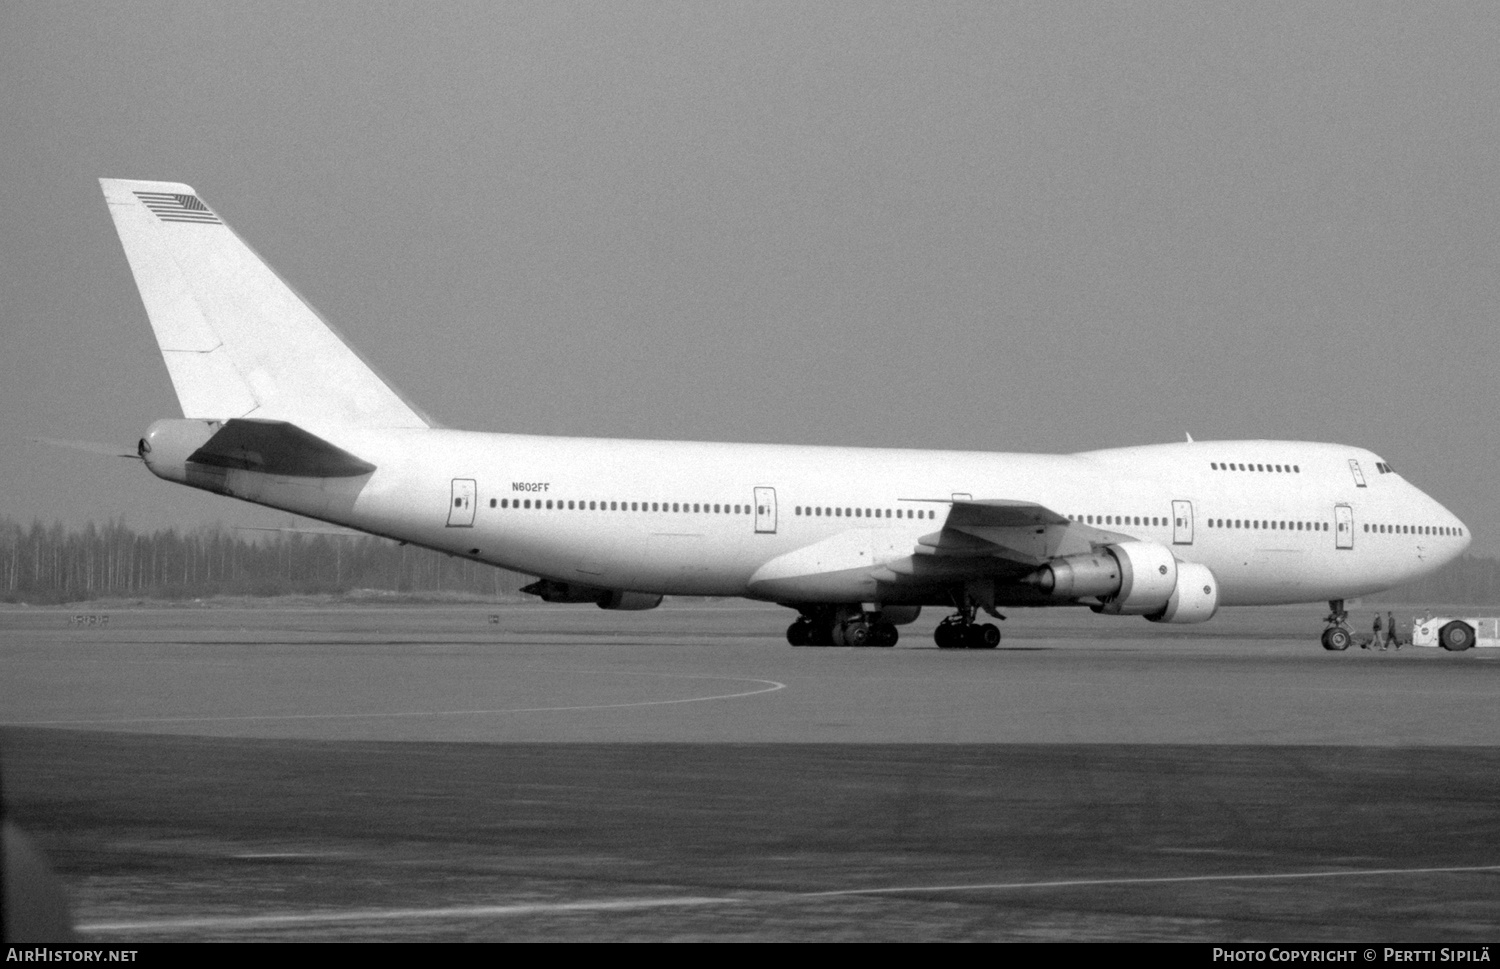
[1460, 530]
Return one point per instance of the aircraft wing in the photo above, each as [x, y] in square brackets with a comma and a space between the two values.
[1022, 532]
[1002, 513]
[996, 538]
[995, 541]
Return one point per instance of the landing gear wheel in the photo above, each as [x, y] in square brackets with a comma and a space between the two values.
[1336, 639]
[948, 635]
[799, 633]
[1456, 636]
[986, 636]
[884, 634]
[857, 634]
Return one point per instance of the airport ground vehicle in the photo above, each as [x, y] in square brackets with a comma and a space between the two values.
[1456, 633]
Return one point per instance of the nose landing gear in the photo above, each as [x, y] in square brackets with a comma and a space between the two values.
[1338, 636]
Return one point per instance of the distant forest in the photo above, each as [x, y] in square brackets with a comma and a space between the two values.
[48, 564]
[42, 564]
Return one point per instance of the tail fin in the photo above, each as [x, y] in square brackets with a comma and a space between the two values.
[237, 340]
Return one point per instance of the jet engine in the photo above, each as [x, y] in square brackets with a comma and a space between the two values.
[628, 601]
[550, 590]
[1134, 579]
[1196, 597]
[1130, 579]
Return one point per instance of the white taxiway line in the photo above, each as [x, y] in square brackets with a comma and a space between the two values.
[400, 914]
[770, 686]
[1168, 880]
[635, 904]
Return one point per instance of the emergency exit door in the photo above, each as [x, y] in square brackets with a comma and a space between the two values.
[765, 511]
[1182, 523]
[461, 508]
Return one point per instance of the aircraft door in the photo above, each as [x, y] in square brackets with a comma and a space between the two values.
[461, 510]
[1343, 518]
[765, 511]
[1182, 523]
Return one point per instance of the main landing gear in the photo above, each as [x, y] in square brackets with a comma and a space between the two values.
[953, 633]
[1338, 635]
[856, 630]
[962, 632]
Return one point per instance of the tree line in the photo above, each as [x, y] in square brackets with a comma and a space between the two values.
[42, 564]
[50, 564]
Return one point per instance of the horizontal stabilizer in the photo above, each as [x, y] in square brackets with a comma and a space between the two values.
[276, 447]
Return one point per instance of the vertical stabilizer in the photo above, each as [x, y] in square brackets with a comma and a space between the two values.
[237, 340]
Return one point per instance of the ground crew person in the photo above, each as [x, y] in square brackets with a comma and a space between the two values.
[1377, 638]
[1391, 639]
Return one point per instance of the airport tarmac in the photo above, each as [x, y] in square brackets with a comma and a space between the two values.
[557, 772]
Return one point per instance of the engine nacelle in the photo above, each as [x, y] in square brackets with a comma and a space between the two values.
[1132, 578]
[551, 590]
[1148, 580]
[629, 601]
[1196, 597]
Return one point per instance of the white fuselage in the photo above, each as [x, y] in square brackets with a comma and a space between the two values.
[692, 518]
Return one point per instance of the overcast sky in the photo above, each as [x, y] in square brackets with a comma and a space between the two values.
[1046, 227]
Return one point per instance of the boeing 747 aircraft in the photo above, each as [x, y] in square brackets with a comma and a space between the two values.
[278, 410]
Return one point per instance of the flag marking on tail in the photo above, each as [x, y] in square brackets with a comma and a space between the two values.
[171, 207]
